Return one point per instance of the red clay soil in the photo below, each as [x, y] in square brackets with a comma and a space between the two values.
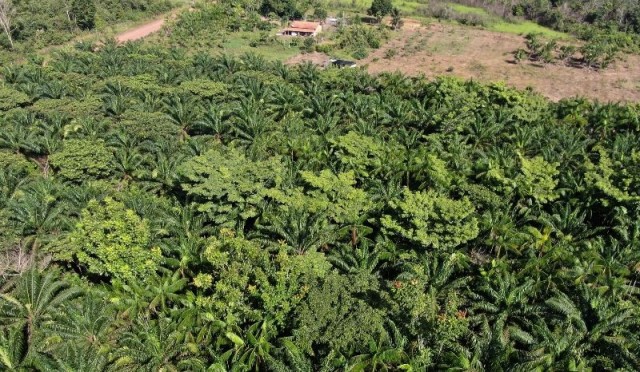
[141, 31]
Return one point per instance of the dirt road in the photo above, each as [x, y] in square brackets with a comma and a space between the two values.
[141, 31]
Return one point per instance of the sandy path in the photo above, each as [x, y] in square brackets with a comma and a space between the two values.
[141, 31]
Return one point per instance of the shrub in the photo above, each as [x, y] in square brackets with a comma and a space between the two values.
[114, 241]
[80, 160]
[360, 54]
[84, 13]
[360, 37]
[324, 48]
[539, 50]
[598, 53]
[390, 53]
[308, 45]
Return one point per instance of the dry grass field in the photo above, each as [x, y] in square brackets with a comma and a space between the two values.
[474, 53]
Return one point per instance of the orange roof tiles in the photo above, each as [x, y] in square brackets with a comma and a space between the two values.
[309, 26]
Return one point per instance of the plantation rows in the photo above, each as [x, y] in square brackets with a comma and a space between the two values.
[161, 212]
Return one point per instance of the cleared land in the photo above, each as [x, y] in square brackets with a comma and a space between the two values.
[141, 31]
[474, 53]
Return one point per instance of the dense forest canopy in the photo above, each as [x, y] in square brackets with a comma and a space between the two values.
[166, 210]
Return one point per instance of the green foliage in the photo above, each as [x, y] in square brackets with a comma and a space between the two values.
[599, 52]
[431, 219]
[11, 98]
[396, 19]
[81, 160]
[612, 178]
[337, 194]
[225, 213]
[205, 89]
[17, 162]
[359, 153]
[380, 8]
[540, 50]
[289, 9]
[360, 38]
[230, 187]
[84, 13]
[39, 23]
[113, 241]
[334, 316]
[536, 179]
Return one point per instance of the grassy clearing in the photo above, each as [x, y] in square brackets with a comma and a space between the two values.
[239, 43]
[235, 44]
[527, 27]
[407, 7]
[463, 9]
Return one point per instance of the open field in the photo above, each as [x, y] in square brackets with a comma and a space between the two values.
[473, 53]
[485, 55]
[526, 27]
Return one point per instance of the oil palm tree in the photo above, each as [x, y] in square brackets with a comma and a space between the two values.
[256, 350]
[183, 111]
[301, 230]
[35, 299]
[363, 258]
[509, 307]
[17, 354]
[386, 353]
[249, 122]
[85, 324]
[38, 213]
[154, 345]
[603, 334]
[214, 122]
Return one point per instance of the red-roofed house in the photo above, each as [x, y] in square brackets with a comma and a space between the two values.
[303, 28]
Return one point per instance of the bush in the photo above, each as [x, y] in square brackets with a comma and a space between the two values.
[360, 54]
[360, 37]
[390, 53]
[598, 53]
[540, 50]
[308, 45]
[319, 13]
[84, 13]
[324, 48]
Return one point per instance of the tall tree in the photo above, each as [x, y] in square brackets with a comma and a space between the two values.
[380, 8]
[84, 13]
[6, 15]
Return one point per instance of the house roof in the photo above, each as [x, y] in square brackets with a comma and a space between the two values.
[311, 26]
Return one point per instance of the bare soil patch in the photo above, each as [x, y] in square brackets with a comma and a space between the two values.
[146, 29]
[316, 58]
[473, 53]
[141, 31]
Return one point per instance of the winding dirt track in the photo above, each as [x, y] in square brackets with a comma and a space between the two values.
[141, 31]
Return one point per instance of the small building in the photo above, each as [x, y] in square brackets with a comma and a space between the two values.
[303, 28]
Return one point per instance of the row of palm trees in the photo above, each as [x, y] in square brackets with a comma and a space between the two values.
[549, 282]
